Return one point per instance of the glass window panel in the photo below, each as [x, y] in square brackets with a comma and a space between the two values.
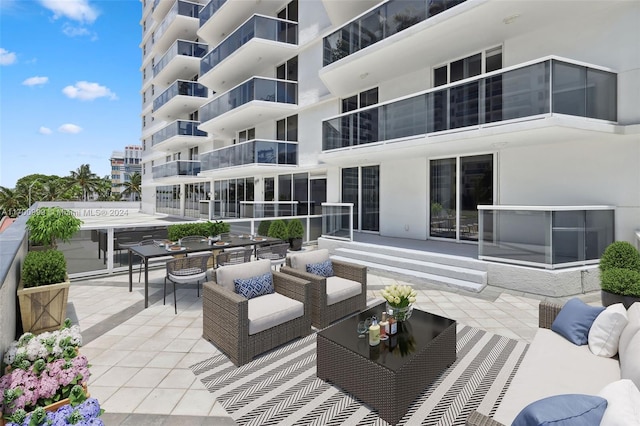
[440, 76]
[281, 134]
[331, 134]
[443, 198]
[368, 126]
[301, 192]
[266, 152]
[369, 97]
[404, 14]
[370, 198]
[463, 107]
[473, 65]
[601, 95]
[437, 106]
[292, 69]
[251, 134]
[569, 89]
[476, 188]
[281, 72]
[493, 59]
[371, 28]
[350, 103]
[457, 70]
[318, 195]
[292, 11]
[269, 189]
[350, 194]
[292, 128]
[284, 188]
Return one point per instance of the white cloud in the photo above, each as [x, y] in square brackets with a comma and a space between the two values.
[86, 91]
[73, 31]
[77, 10]
[6, 57]
[69, 128]
[35, 81]
[44, 130]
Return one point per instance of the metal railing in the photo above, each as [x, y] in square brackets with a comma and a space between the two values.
[251, 152]
[180, 48]
[209, 10]
[180, 7]
[177, 128]
[177, 168]
[180, 88]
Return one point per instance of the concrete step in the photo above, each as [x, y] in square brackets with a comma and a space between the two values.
[411, 275]
[396, 260]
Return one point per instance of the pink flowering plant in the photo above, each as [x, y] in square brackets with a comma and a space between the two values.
[42, 383]
[80, 411]
[49, 346]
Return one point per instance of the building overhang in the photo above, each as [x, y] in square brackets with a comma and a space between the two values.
[246, 116]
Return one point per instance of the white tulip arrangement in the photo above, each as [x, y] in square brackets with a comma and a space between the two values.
[399, 296]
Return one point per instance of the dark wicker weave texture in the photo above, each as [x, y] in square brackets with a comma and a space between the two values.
[226, 322]
[366, 379]
[322, 314]
[547, 312]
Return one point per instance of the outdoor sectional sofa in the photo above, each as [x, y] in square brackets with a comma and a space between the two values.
[554, 366]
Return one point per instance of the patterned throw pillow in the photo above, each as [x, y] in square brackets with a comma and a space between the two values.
[254, 286]
[324, 269]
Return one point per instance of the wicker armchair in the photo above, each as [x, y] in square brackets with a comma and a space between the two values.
[547, 312]
[323, 312]
[228, 317]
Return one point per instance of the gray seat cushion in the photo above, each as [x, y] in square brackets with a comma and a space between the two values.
[272, 309]
[339, 289]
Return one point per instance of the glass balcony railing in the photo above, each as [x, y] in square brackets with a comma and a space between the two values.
[384, 21]
[337, 221]
[180, 47]
[177, 128]
[180, 7]
[209, 10]
[176, 168]
[254, 89]
[551, 86]
[257, 26]
[548, 237]
[251, 152]
[180, 87]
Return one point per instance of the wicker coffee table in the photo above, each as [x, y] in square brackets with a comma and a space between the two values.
[387, 377]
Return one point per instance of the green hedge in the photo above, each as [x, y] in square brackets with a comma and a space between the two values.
[620, 254]
[44, 267]
[621, 281]
[205, 229]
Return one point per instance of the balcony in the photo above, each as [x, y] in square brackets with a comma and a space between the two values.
[180, 169]
[548, 87]
[548, 237]
[177, 135]
[182, 60]
[254, 152]
[219, 18]
[260, 39]
[160, 9]
[181, 97]
[181, 22]
[254, 101]
[342, 11]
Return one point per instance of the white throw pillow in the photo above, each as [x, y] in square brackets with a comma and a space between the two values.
[623, 404]
[604, 334]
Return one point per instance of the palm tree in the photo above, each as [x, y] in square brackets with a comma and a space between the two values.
[11, 202]
[133, 187]
[88, 181]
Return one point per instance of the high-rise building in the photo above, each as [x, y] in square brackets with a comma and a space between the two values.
[415, 111]
[123, 165]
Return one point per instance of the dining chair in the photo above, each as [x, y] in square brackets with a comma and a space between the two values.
[184, 270]
[276, 253]
[234, 256]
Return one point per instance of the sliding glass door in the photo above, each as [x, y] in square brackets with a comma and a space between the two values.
[361, 186]
[457, 186]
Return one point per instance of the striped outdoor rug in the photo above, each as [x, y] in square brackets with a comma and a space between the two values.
[281, 387]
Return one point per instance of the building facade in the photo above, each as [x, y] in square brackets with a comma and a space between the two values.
[123, 165]
[415, 111]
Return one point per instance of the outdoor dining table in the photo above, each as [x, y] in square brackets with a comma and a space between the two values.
[146, 252]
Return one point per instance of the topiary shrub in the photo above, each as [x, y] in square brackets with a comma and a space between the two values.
[263, 228]
[621, 281]
[295, 229]
[278, 229]
[620, 254]
[44, 267]
[217, 227]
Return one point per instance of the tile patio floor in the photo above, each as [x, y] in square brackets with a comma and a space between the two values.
[140, 357]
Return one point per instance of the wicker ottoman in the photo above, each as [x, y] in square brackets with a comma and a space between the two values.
[387, 377]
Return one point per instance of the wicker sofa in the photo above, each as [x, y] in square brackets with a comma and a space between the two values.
[240, 334]
[334, 297]
[553, 366]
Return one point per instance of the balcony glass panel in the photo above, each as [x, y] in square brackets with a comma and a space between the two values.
[549, 237]
[209, 10]
[251, 152]
[256, 89]
[177, 128]
[262, 27]
[180, 47]
[517, 93]
[177, 168]
[380, 23]
[180, 88]
[182, 8]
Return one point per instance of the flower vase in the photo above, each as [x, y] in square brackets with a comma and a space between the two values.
[400, 314]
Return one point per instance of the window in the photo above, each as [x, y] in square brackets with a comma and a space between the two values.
[489, 60]
[288, 70]
[361, 186]
[361, 100]
[247, 135]
[193, 153]
[176, 156]
[287, 129]
[290, 12]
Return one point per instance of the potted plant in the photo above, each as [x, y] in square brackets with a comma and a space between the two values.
[278, 229]
[263, 228]
[295, 230]
[43, 289]
[620, 274]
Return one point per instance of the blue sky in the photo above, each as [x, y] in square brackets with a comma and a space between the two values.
[69, 84]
